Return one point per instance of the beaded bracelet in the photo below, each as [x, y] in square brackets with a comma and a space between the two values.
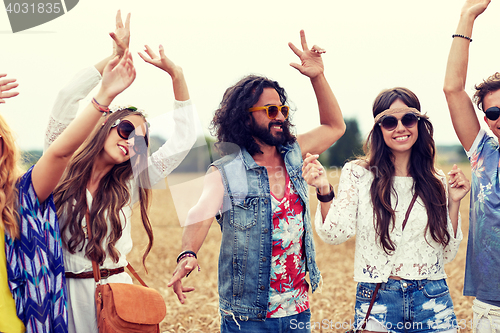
[186, 254]
[462, 36]
[325, 197]
[101, 108]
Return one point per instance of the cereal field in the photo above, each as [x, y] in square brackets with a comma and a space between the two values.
[331, 308]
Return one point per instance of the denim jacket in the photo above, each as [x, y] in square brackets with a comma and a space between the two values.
[246, 225]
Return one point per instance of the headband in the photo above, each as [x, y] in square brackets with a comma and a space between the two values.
[397, 110]
[130, 107]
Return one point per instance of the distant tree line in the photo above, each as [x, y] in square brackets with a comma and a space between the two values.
[348, 147]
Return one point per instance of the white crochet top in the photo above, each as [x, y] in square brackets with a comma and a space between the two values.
[416, 257]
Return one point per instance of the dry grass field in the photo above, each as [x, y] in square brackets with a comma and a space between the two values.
[332, 306]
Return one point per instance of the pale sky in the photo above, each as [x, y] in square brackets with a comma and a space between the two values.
[371, 45]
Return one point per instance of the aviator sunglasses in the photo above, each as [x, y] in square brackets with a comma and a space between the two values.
[389, 123]
[272, 110]
[126, 131]
[492, 113]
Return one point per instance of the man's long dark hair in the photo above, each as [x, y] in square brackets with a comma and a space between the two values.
[421, 167]
[232, 123]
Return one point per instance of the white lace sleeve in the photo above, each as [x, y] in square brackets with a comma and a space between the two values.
[340, 222]
[450, 251]
[171, 154]
[66, 104]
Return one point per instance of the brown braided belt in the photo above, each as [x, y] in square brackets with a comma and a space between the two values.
[105, 273]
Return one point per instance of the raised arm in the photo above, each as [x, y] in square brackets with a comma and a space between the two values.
[198, 222]
[118, 75]
[181, 92]
[121, 40]
[67, 101]
[463, 116]
[6, 85]
[172, 152]
[332, 125]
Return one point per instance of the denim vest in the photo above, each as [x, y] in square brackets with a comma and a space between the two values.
[246, 225]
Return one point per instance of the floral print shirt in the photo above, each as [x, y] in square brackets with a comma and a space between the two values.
[288, 292]
[482, 268]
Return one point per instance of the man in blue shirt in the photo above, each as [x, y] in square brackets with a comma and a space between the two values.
[482, 270]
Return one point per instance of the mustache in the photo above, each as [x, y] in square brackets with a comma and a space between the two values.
[274, 123]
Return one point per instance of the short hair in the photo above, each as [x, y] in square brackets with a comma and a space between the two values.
[231, 120]
[491, 84]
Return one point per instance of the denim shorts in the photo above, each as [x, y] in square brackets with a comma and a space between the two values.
[407, 305]
[299, 323]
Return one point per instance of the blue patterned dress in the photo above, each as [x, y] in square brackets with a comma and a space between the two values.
[35, 264]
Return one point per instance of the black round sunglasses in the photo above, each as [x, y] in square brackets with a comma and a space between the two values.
[492, 113]
[389, 123]
[126, 130]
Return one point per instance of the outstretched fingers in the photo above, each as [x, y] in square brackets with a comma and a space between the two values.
[127, 22]
[295, 50]
[119, 43]
[121, 35]
[303, 40]
[162, 51]
[5, 86]
[119, 22]
[128, 63]
[118, 74]
[176, 280]
[152, 55]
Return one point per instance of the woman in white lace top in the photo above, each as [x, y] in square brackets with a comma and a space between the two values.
[372, 201]
[109, 174]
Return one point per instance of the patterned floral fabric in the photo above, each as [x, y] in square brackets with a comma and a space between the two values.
[35, 264]
[288, 292]
[482, 268]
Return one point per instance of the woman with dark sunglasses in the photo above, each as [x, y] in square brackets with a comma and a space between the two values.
[33, 250]
[109, 174]
[482, 267]
[404, 215]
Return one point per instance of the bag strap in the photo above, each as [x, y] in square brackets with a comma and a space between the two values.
[95, 267]
[132, 270]
[372, 301]
[409, 209]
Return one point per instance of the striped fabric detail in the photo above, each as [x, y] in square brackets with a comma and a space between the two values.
[35, 264]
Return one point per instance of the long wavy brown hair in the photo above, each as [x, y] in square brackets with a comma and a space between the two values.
[421, 167]
[109, 199]
[10, 171]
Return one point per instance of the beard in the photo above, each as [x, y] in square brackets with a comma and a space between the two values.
[264, 135]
